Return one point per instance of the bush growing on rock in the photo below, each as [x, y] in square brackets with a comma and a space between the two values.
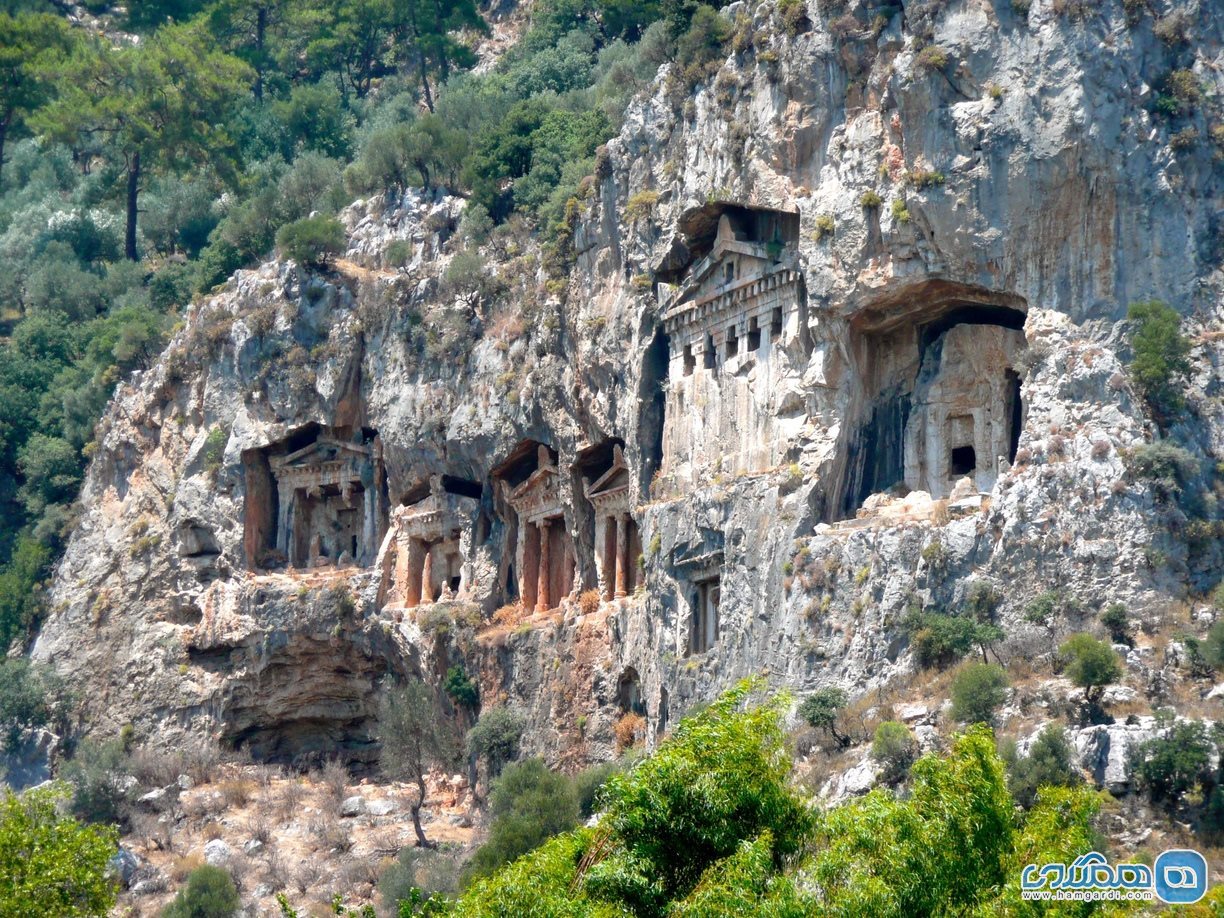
[1170, 468]
[311, 241]
[209, 893]
[1049, 763]
[895, 748]
[822, 710]
[1169, 765]
[1090, 664]
[49, 863]
[977, 691]
[1213, 646]
[102, 790]
[495, 738]
[30, 696]
[1117, 623]
[460, 687]
[1160, 363]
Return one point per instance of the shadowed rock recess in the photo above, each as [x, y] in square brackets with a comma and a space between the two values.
[739, 429]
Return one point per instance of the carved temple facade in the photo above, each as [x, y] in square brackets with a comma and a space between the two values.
[430, 537]
[727, 322]
[618, 546]
[318, 502]
[543, 553]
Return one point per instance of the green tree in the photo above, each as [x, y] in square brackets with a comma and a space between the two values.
[977, 691]
[1160, 363]
[1213, 646]
[1090, 664]
[1117, 622]
[424, 39]
[248, 29]
[1049, 763]
[460, 687]
[414, 738]
[98, 775]
[21, 601]
[49, 863]
[159, 105]
[529, 805]
[30, 43]
[311, 241]
[1169, 765]
[495, 738]
[30, 696]
[209, 893]
[822, 710]
[895, 748]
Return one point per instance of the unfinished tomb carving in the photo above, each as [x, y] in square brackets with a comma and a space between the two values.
[727, 320]
[316, 498]
[543, 552]
[944, 402]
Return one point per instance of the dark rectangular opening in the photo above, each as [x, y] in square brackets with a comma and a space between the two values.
[754, 334]
[707, 360]
[690, 362]
[775, 324]
[732, 342]
[963, 461]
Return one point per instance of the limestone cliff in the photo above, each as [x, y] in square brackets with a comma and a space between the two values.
[842, 336]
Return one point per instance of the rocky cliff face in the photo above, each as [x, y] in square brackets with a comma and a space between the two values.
[773, 272]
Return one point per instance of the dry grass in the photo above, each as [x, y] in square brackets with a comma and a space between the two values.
[330, 833]
[509, 615]
[236, 792]
[180, 867]
[335, 780]
[589, 602]
[629, 731]
[292, 793]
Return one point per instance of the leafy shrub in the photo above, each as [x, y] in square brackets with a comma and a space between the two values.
[1160, 364]
[1213, 646]
[699, 49]
[1168, 467]
[1168, 766]
[931, 58]
[1117, 622]
[939, 639]
[589, 782]
[214, 450]
[977, 690]
[30, 696]
[1049, 763]
[822, 709]
[895, 748]
[824, 226]
[640, 205]
[311, 241]
[101, 789]
[49, 863]
[1090, 664]
[495, 738]
[209, 893]
[529, 805]
[870, 199]
[900, 212]
[460, 687]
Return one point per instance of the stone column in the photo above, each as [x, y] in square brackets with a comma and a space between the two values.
[427, 594]
[543, 602]
[412, 570]
[369, 527]
[622, 555]
[284, 498]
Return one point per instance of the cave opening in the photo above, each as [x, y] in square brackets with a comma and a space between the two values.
[652, 397]
[941, 399]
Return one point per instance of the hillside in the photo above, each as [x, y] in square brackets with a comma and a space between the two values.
[629, 351]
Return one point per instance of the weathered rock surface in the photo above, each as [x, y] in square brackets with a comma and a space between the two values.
[1057, 200]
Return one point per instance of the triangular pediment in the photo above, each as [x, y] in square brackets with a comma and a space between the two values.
[324, 450]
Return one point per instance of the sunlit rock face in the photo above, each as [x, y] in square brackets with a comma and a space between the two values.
[746, 432]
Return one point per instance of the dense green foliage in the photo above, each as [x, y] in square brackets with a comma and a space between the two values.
[100, 791]
[1160, 363]
[461, 688]
[49, 863]
[1049, 763]
[895, 748]
[529, 805]
[822, 710]
[1090, 664]
[209, 893]
[30, 696]
[977, 690]
[709, 826]
[1169, 765]
[135, 175]
[495, 738]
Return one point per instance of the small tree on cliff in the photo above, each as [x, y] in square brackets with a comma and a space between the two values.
[414, 738]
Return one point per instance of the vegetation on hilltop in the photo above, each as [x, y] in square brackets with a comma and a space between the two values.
[138, 171]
